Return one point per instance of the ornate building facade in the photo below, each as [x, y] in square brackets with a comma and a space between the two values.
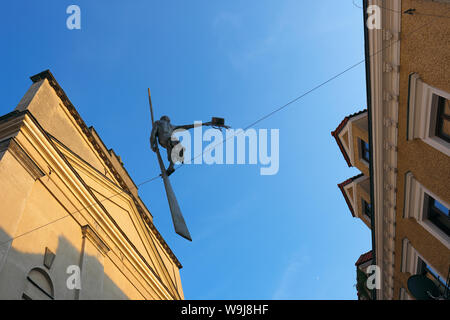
[401, 144]
[69, 209]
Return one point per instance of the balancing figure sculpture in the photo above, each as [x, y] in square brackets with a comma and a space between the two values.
[162, 133]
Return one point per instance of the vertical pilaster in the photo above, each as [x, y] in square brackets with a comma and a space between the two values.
[92, 257]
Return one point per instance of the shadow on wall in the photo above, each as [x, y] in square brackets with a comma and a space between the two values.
[24, 275]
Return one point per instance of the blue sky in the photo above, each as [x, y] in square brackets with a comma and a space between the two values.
[286, 236]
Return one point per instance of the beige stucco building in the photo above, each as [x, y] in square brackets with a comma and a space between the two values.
[66, 202]
[401, 144]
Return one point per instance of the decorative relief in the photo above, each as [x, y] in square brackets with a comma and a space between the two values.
[22, 157]
[90, 234]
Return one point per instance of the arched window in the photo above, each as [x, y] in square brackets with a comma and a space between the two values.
[38, 286]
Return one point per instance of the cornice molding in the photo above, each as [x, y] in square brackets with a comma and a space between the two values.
[90, 234]
[22, 157]
[384, 78]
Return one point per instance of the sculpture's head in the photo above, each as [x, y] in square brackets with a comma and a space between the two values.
[165, 118]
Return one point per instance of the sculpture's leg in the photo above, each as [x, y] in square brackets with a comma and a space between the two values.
[170, 169]
[180, 155]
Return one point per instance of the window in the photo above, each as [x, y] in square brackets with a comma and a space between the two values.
[428, 114]
[367, 208]
[424, 269]
[365, 151]
[439, 215]
[443, 117]
[38, 286]
[414, 263]
[428, 209]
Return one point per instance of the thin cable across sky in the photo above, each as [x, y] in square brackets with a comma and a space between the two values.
[262, 118]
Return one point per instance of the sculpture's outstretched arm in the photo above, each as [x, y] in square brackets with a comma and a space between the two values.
[190, 126]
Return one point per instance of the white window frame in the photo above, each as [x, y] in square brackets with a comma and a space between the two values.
[422, 113]
[410, 259]
[415, 206]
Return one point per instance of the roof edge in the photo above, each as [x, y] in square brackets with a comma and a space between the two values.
[364, 258]
[341, 187]
[336, 132]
